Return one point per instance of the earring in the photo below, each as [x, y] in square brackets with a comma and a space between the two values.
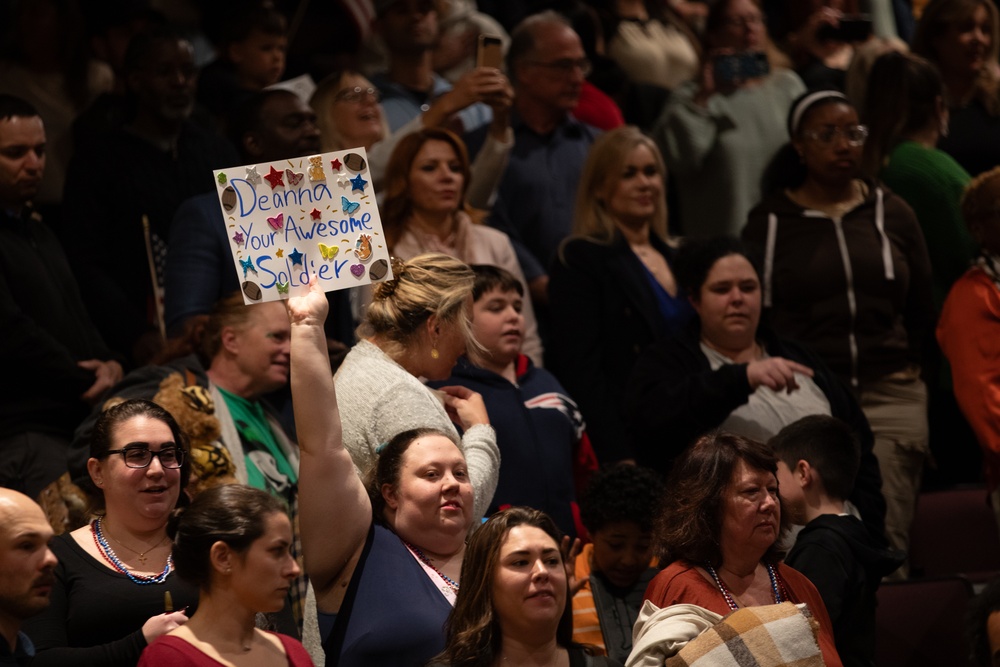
[944, 127]
[434, 353]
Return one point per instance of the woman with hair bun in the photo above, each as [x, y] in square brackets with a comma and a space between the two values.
[425, 208]
[386, 561]
[969, 328]
[417, 326]
[233, 542]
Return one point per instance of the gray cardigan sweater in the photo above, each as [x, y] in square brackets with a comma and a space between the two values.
[378, 399]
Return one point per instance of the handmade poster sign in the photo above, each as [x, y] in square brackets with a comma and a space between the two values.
[290, 219]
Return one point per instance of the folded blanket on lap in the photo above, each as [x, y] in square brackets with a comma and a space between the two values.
[781, 635]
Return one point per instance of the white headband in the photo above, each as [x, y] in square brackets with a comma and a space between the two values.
[808, 101]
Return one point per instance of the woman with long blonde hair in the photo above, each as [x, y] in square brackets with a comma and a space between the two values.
[417, 326]
[612, 286]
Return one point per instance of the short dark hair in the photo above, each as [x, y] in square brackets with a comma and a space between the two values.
[829, 446]
[264, 18]
[621, 493]
[717, 13]
[522, 38]
[976, 619]
[697, 257]
[12, 106]
[489, 277]
[143, 44]
[690, 524]
[248, 116]
[472, 634]
[389, 465]
[104, 429]
[231, 513]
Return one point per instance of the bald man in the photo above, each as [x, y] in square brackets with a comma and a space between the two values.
[27, 572]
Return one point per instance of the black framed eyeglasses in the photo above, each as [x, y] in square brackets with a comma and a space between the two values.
[140, 457]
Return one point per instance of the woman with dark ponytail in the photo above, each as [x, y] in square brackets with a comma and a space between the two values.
[234, 543]
[907, 115]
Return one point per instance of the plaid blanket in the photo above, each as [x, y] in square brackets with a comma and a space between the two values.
[778, 635]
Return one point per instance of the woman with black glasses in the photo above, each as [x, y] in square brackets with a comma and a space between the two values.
[846, 273]
[115, 588]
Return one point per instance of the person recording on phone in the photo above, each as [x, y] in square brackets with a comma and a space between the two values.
[410, 31]
[719, 132]
[821, 39]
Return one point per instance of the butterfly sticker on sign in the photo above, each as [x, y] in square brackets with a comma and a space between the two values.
[286, 228]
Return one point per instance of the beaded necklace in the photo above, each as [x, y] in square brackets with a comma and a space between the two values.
[427, 561]
[141, 554]
[115, 562]
[777, 586]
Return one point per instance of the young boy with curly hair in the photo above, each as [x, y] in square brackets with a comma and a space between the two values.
[618, 508]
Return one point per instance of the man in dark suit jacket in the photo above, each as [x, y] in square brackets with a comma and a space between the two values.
[55, 363]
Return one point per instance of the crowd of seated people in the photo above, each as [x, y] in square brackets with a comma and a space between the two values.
[562, 417]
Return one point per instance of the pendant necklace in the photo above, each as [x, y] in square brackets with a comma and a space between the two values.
[112, 558]
[141, 554]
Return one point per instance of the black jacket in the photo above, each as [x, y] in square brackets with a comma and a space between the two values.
[868, 323]
[846, 565]
[539, 430]
[674, 396]
[44, 331]
[603, 314]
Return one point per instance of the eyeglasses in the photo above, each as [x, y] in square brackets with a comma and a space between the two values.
[141, 456]
[855, 134]
[566, 66]
[357, 94]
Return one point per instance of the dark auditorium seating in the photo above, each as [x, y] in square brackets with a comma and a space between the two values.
[921, 623]
[955, 532]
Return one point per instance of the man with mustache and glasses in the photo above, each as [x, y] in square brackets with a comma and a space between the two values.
[26, 572]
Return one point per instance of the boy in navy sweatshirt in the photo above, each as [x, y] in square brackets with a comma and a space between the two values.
[540, 431]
